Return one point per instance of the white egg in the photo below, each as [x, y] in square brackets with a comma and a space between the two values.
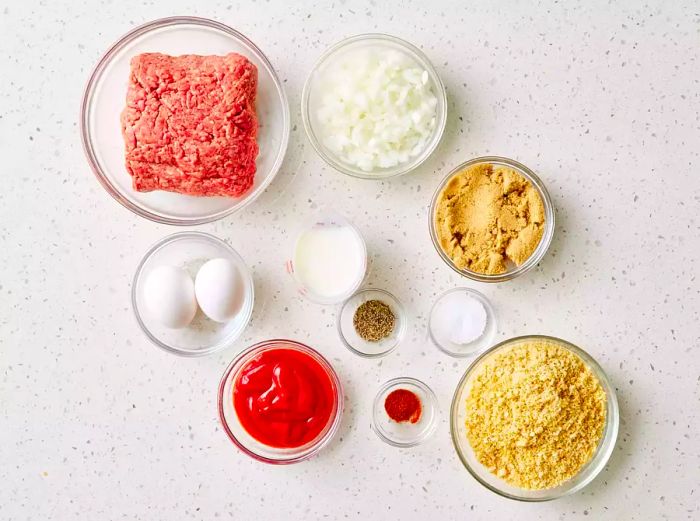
[219, 289]
[168, 293]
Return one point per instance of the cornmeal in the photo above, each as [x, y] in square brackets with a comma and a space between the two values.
[535, 414]
[488, 215]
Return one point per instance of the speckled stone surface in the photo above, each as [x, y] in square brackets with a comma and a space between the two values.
[600, 99]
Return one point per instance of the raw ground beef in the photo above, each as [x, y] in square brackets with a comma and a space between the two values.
[190, 125]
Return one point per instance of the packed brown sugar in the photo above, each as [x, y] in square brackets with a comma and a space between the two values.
[535, 414]
[488, 215]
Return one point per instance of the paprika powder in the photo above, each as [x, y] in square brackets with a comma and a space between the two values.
[403, 406]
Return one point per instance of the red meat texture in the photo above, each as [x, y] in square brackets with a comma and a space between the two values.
[189, 124]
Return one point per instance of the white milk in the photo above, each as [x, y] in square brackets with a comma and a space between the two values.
[330, 261]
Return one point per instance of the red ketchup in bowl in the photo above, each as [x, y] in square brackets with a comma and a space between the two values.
[283, 398]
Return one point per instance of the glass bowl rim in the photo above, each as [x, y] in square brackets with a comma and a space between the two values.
[86, 109]
[399, 335]
[287, 344]
[429, 430]
[542, 246]
[441, 95]
[612, 419]
[226, 342]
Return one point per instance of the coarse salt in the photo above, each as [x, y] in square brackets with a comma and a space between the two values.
[459, 318]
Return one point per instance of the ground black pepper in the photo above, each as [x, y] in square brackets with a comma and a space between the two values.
[374, 320]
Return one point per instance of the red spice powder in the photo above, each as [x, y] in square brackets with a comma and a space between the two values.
[402, 406]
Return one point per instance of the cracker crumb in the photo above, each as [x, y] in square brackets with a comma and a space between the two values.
[488, 215]
[535, 414]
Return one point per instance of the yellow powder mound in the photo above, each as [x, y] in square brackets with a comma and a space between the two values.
[487, 215]
[535, 414]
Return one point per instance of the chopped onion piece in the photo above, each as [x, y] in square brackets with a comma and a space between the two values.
[377, 109]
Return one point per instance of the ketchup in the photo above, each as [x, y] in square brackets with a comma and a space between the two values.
[283, 398]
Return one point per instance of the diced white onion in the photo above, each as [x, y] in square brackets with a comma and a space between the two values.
[377, 109]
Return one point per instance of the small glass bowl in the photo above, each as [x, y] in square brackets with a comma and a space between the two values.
[497, 485]
[190, 250]
[537, 255]
[249, 445]
[478, 344]
[309, 100]
[355, 342]
[405, 434]
[326, 218]
[105, 97]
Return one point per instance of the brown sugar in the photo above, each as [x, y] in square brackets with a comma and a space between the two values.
[535, 414]
[488, 215]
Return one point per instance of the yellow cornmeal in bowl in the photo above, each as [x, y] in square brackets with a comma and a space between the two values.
[535, 414]
[488, 215]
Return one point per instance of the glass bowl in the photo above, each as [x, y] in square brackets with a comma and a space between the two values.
[587, 473]
[244, 441]
[325, 218]
[355, 342]
[537, 255]
[105, 97]
[405, 434]
[310, 96]
[190, 250]
[480, 343]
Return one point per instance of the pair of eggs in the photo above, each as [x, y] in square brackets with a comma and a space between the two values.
[172, 297]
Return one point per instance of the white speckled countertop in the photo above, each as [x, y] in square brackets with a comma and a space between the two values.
[601, 100]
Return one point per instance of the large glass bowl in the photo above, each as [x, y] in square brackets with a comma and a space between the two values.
[105, 97]
[249, 445]
[587, 473]
[513, 270]
[312, 94]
